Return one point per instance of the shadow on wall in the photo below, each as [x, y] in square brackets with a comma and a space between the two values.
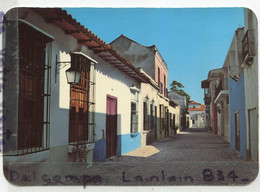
[108, 144]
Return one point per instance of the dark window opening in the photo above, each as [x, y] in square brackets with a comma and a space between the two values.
[134, 118]
[145, 116]
[34, 91]
[161, 117]
[159, 76]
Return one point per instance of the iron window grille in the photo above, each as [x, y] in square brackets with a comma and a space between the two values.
[35, 50]
[82, 102]
[162, 117]
[134, 111]
[145, 116]
[248, 47]
[152, 121]
[166, 119]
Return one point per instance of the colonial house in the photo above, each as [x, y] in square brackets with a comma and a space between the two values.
[181, 101]
[68, 95]
[231, 92]
[237, 118]
[154, 103]
[216, 98]
[197, 115]
[250, 66]
[211, 110]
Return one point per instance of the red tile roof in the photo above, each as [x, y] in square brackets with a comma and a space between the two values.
[84, 36]
[200, 108]
[194, 102]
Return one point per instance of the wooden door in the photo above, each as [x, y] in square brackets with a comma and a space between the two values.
[253, 134]
[111, 126]
[237, 130]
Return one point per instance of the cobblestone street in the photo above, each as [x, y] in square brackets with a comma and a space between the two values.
[192, 157]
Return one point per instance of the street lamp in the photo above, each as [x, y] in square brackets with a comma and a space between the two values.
[73, 76]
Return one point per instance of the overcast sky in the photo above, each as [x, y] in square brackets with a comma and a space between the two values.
[192, 41]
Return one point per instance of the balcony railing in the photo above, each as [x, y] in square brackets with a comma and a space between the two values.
[248, 47]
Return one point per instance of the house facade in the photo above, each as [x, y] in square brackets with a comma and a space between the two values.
[150, 62]
[181, 101]
[237, 95]
[197, 115]
[234, 90]
[211, 110]
[250, 66]
[68, 95]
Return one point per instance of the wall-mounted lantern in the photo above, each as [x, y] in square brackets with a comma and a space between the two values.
[219, 108]
[73, 76]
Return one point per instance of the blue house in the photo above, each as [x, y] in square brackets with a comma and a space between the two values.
[238, 137]
[238, 133]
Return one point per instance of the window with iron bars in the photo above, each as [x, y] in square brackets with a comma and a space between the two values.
[152, 121]
[162, 117]
[34, 90]
[81, 114]
[134, 111]
[145, 116]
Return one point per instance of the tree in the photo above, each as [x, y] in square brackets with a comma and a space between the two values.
[177, 87]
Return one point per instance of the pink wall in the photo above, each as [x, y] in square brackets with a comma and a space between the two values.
[163, 71]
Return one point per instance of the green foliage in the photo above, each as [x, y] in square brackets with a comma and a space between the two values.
[177, 87]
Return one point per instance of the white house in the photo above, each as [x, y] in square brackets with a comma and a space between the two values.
[181, 101]
[197, 115]
[154, 98]
[68, 95]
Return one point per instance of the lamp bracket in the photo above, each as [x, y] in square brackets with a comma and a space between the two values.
[59, 65]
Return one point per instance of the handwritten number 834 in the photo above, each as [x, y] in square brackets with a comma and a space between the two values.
[208, 175]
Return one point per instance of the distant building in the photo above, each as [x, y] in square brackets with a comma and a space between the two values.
[147, 58]
[155, 103]
[197, 115]
[181, 101]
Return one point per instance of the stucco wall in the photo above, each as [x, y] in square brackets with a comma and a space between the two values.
[199, 119]
[138, 55]
[251, 85]
[109, 80]
[163, 72]
[148, 94]
[194, 105]
[237, 104]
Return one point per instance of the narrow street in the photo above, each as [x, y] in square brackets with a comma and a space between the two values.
[180, 160]
[192, 157]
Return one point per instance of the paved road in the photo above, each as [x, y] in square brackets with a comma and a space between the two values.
[192, 157]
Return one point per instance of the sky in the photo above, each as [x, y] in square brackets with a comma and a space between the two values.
[192, 41]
